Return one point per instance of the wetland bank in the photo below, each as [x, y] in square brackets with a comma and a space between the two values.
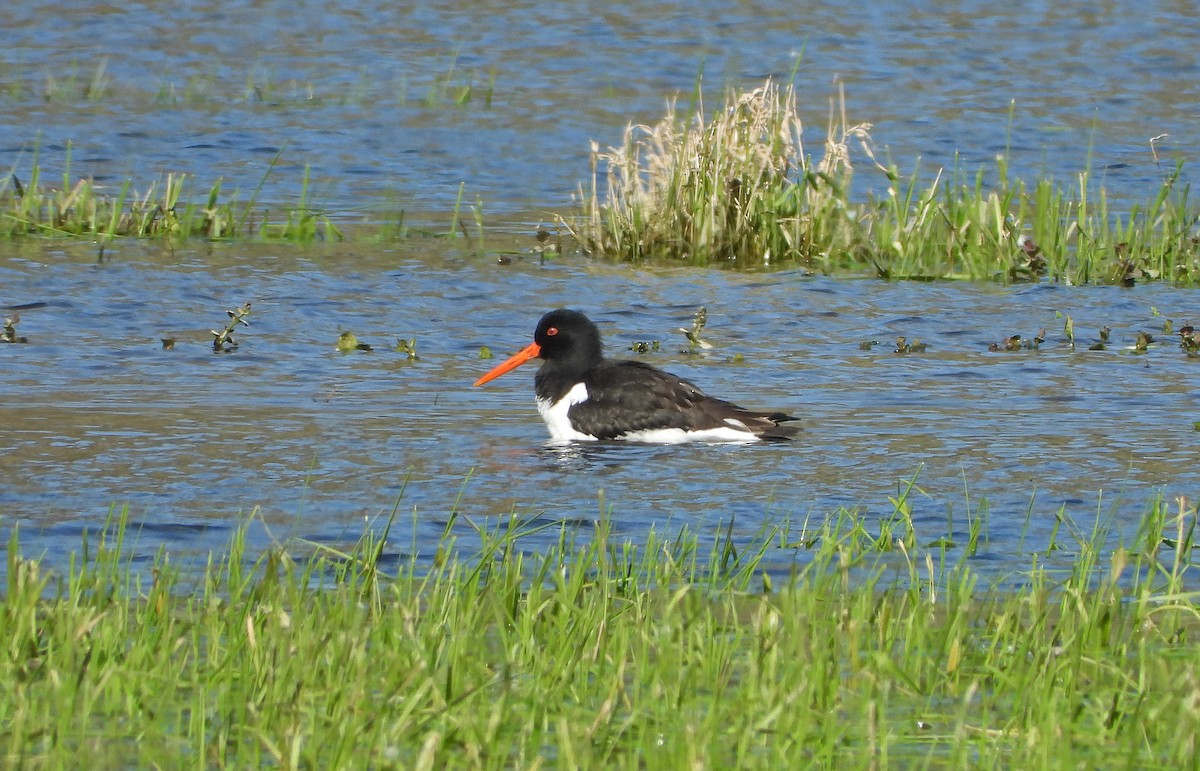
[979, 551]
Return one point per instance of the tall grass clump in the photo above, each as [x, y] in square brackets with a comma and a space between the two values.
[739, 188]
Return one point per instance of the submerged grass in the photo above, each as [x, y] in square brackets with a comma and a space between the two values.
[78, 207]
[169, 209]
[740, 188]
[441, 84]
[598, 652]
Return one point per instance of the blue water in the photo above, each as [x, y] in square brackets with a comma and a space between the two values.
[95, 415]
[315, 444]
[365, 93]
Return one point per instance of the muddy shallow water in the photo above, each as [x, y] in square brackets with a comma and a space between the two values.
[94, 413]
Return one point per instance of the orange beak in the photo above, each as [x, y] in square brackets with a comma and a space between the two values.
[531, 351]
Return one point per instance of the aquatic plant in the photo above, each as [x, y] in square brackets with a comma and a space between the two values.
[904, 346]
[1068, 328]
[223, 341]
[458, 224]
[72, 85]
[459, 87]
[842, 641]
[1102, 343]
[739, 188]
[1189, 340]
[695, 343]
[453, 86]
[644, 346]
[78, 207]
[9, 332]
[546, 247]
[348, 341]
[1017, 343]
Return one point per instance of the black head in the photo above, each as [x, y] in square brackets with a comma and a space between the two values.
[568, 335]
[567, 340]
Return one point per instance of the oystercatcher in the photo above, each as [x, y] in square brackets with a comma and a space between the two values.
[583, 396]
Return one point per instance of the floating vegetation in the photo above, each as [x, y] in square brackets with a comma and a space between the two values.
[223, 341]
[347, 342]
[547, 247]
[1102, 344]
[639, 346]
[903, 346]
[407, 347]
[9, 333]
[485, 352]
[1017, 343]
[1189, 340]
[695, 344]
[1068, 328]
[739, 188]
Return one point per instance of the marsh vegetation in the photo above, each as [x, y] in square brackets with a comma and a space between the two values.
[742, 187]
[874, 648]
[848, 636]
[737, 186]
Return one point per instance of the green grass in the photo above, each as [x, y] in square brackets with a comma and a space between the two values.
[173, 209]
[441, 83]
[737, 188]
[740, 188]
[601, 653]
[167, 209]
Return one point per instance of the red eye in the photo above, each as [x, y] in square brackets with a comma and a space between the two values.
[552, 331]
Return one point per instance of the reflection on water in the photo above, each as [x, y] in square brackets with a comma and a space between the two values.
[317, 444]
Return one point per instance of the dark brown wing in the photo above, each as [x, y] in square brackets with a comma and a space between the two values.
[629, 396]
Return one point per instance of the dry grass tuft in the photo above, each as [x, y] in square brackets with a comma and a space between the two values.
[737, 187]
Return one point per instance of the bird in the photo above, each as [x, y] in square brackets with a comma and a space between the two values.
[582, 396]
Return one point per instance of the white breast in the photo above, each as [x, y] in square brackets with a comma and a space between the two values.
[555, 415]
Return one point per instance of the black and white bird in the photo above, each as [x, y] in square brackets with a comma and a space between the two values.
[583, 396]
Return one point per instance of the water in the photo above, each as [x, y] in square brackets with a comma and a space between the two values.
[94, 414]
[359, 91]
